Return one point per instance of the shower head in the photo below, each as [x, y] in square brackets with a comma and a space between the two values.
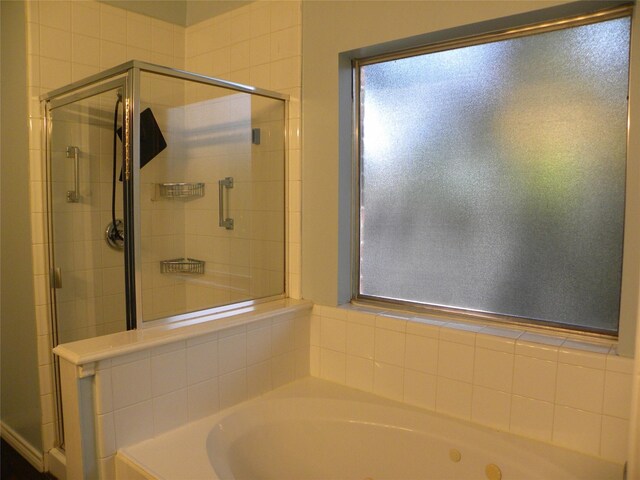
[151, 140]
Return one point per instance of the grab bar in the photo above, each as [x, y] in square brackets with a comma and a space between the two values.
[73, 196]
[227, 222]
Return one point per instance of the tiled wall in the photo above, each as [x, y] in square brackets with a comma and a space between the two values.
[67, 41]
[144, 394]
[260, 45]
[549, 388]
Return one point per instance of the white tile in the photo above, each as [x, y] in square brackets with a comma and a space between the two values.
[390, 321]
[133, 424]
[617, 394]
[388, 380]
[333, 365]
[168, 348]
[359, 373]
[169, 411]
[258, 345]
[577, 429]
[360, 340]
[105, 435]
[534, 378]
[362, 316]
[129, 358]
[106, 467]
[283, 369]
[333, 334]
[583, 354]
[493, 369]
[459, 333]
[421, 353]
[580, 387]
[314, 327]
[131, 383]
[454, 398]
[531, 418]
[539, 346]
[232, 353]
[455, 361]
[202, 362]
[500, 339]
[233, 388]
[420, 389]
[102, 391]
[258, 379]
[616, 363]
[282, 337]
[314, 361]
[203, 399]
[614, 439]
[389, 346]
[168, 372]
[491, 407]
[424, 327]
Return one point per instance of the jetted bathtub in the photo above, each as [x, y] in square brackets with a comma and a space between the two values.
[313, 429]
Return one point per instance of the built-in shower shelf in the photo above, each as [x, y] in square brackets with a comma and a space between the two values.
[181, 190]
[182, 265]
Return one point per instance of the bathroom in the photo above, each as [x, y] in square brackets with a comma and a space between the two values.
[293, 48]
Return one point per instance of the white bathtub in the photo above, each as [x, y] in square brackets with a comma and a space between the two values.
[312, 429]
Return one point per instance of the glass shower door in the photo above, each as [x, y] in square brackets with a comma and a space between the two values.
[88, 274]
[212, 202]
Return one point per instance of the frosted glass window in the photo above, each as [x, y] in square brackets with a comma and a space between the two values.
[492, 176]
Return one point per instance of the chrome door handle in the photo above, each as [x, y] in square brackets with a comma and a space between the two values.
[224, 221]
[73, 196]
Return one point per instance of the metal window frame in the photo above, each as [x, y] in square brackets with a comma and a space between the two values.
[448, 312]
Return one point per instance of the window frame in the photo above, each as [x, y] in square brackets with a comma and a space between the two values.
[619, 11]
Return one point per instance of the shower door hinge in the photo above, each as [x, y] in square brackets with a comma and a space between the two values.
[56, 278]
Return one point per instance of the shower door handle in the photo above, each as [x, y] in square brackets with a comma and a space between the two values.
[223, 221]
[73, 196]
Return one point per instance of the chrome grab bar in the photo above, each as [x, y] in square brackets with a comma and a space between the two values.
[73, 196]
[227, 222]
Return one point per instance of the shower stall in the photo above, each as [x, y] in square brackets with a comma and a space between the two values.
[166, 198]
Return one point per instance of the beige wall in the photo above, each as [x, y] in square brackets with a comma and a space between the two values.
[20, 398]
[333, 28]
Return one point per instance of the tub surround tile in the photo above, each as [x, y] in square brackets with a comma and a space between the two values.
[259, 379]
[613, 441]
[102, 391]
[333, 334]
[577, 429]
[455, 361]
[203, 399]
[388, 380]
[454, 398]
[492, 408]
[232, 353]
[531, 418]
[512, 380]
[617, 395]
[421, 354]
[168, 372]
[105, 435]
[493, 369]
[420, 389]
[202, 362]
[359, 373]
[134, 423]
[535, 378]
[389, 347]
[233, 388]
[170, 411]
[580, 387]
[131, 383]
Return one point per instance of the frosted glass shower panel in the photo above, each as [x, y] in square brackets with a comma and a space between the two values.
[493, 176]
[212, 207]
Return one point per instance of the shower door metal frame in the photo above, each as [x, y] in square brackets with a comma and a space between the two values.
[131, 73]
